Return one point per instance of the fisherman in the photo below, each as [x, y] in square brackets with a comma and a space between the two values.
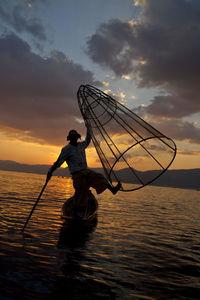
[83, 178]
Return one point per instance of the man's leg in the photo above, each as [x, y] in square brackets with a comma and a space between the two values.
[100, 183]
[81, 194]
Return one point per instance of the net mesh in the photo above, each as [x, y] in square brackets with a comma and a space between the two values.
[129, 148]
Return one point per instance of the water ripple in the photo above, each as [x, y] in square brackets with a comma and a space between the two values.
[144, 244]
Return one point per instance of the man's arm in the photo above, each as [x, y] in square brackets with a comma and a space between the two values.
[57, 164]
[88, 135]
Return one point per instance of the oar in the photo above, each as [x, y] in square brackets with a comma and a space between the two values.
[34, 206]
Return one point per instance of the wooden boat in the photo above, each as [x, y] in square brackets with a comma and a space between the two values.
[90, 214]
[75, 232]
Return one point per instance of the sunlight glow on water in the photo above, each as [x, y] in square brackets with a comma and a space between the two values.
[145, 245]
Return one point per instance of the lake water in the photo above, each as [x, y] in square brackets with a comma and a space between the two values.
[144, 245]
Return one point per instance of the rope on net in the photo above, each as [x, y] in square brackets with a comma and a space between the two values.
[130, 149]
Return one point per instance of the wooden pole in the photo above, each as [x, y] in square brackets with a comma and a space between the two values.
[34, 206]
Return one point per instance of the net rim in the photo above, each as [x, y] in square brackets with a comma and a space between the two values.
[156, 177]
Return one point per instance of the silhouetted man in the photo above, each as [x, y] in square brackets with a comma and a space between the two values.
[83, 178]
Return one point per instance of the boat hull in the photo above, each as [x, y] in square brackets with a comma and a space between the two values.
[68, 214]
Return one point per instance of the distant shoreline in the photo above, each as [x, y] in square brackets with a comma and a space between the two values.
[152, 184]
[184, 178]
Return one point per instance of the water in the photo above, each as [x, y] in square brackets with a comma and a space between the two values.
[145, 244]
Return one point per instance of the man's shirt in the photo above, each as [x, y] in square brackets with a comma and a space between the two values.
[74, 156]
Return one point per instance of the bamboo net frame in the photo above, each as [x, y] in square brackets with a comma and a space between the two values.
[129, 148]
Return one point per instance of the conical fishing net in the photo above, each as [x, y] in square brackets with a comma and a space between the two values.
[130, 150]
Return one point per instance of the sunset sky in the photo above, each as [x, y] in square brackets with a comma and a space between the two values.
[143, 52]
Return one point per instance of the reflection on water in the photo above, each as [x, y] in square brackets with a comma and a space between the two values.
[73, 234]
[144, 245]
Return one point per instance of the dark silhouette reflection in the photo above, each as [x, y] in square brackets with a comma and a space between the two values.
[73, 238]
[78, 281]
[76, 233]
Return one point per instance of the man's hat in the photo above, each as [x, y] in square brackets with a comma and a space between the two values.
[73, 133]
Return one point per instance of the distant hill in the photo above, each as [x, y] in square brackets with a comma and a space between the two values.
[186, 178]
[9, 165]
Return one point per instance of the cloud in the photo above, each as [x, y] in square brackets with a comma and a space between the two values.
[175, 128]
[38, 95]
[189, 152]
[161, 49]
[105, 84]
[108, 46]
[19, 18]
[180, 130]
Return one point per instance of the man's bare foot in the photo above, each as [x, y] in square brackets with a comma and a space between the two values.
[116, 188]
